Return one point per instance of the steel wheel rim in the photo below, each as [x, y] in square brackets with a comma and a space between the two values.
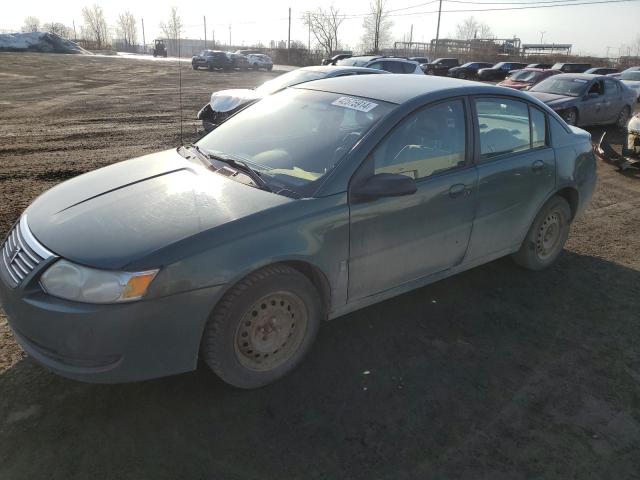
[271, 331]
[549, 235]
[570, 117]
[622, 118]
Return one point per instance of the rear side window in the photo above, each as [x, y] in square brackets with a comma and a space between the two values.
[504, 126]
[393, 67]
[429, 141]
[408, 67]
[611, 88]
[538, 128]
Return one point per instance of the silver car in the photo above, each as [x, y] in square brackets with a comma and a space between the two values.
[583, 99]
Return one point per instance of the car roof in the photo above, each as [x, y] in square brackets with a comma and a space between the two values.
[388, 88]
[338, 68]
[584, 76]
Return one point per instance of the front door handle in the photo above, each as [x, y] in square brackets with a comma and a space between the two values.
[537, 166]
[458, 189]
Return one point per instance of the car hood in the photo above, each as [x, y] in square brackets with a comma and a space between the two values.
[110, 217]
[228, 100]
[552, 99]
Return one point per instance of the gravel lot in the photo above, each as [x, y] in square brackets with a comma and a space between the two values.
[497, 373]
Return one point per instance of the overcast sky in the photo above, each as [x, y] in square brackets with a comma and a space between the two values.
[590, 28]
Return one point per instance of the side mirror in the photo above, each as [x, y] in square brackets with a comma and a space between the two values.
[383, 185]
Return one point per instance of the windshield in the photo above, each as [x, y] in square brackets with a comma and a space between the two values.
[469, 64]
[525, 76]
[571, 87]
[296, 136]
[633, 75]
[289, 79]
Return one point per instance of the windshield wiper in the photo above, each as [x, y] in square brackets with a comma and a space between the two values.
[237, 163]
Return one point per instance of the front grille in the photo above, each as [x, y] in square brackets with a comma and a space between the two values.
[22, 253]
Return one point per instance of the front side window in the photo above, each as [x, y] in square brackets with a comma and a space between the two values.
[504, 126]
[393, 67]
[295, 137]
[376, 65]
[427, 142]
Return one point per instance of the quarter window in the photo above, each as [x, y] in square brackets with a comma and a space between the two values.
[427, 142]
[538, 128]
[504, 126]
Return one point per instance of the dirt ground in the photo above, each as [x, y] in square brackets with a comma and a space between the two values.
[498, 373]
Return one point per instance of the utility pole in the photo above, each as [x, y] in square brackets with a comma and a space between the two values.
[435, 51]
[289, 39]
[213, 39]
[411, 36]
[144, 42]
[608, 48]
[229, 35]
[205, 31]
[542, 37]
[75, 35]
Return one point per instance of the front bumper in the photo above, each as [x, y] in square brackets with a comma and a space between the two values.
[115, 343]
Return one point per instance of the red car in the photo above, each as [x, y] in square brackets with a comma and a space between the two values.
[526, 78]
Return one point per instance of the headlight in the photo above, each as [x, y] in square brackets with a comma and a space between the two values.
[89, 285]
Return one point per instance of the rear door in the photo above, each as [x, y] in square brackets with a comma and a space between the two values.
[516, 173]
[395, 240]
[613, 101]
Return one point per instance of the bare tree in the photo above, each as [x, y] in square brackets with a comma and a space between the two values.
[324, 25]
[172, 29]
[57, 28]
[127, 27]
[31, 24]
[377, 27]
[471, 28]
[95, 25]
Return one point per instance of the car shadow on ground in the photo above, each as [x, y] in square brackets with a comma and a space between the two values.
[495, 373]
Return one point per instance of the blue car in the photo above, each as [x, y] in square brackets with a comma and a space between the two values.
[316, 201]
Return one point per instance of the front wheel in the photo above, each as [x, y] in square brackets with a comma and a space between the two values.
[546, 237]
[463, 76]
[263, 327]
[623, 117]
[570, 116]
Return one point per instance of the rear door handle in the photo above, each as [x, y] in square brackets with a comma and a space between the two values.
[537, 166]
[458, 189]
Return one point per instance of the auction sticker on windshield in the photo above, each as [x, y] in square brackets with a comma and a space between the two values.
[355, 104]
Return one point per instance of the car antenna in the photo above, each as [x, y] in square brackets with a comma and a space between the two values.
[180, 88]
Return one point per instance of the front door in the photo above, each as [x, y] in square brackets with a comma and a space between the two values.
[395, 240]
[516, 174]
[593, 105]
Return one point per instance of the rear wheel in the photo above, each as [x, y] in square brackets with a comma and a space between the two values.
[462, 75]
[210, 66]
[262, 327]
[570, 116]
[623, 117]
[546, 237]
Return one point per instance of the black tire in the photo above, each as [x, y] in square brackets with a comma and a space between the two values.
[462, 75]
[248, 343]
[270, 67]
[255, 67]
[210, 67]
[623, 117]
[542, 245]
[570, 116]
[194, 66]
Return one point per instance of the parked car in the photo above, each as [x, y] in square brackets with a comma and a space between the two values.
[420, 60]
[260, 60]
[543, 66]
[526, 78]
[303, 207]
[631, 78]
[212, 60]
[333, 60]
[601, 71]
[440, 66]
[238, 61]
[499, 71]
[225, 103]
[571, 67]
[583, 99]
[248, 52]
[389, 64]
[467, 71]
